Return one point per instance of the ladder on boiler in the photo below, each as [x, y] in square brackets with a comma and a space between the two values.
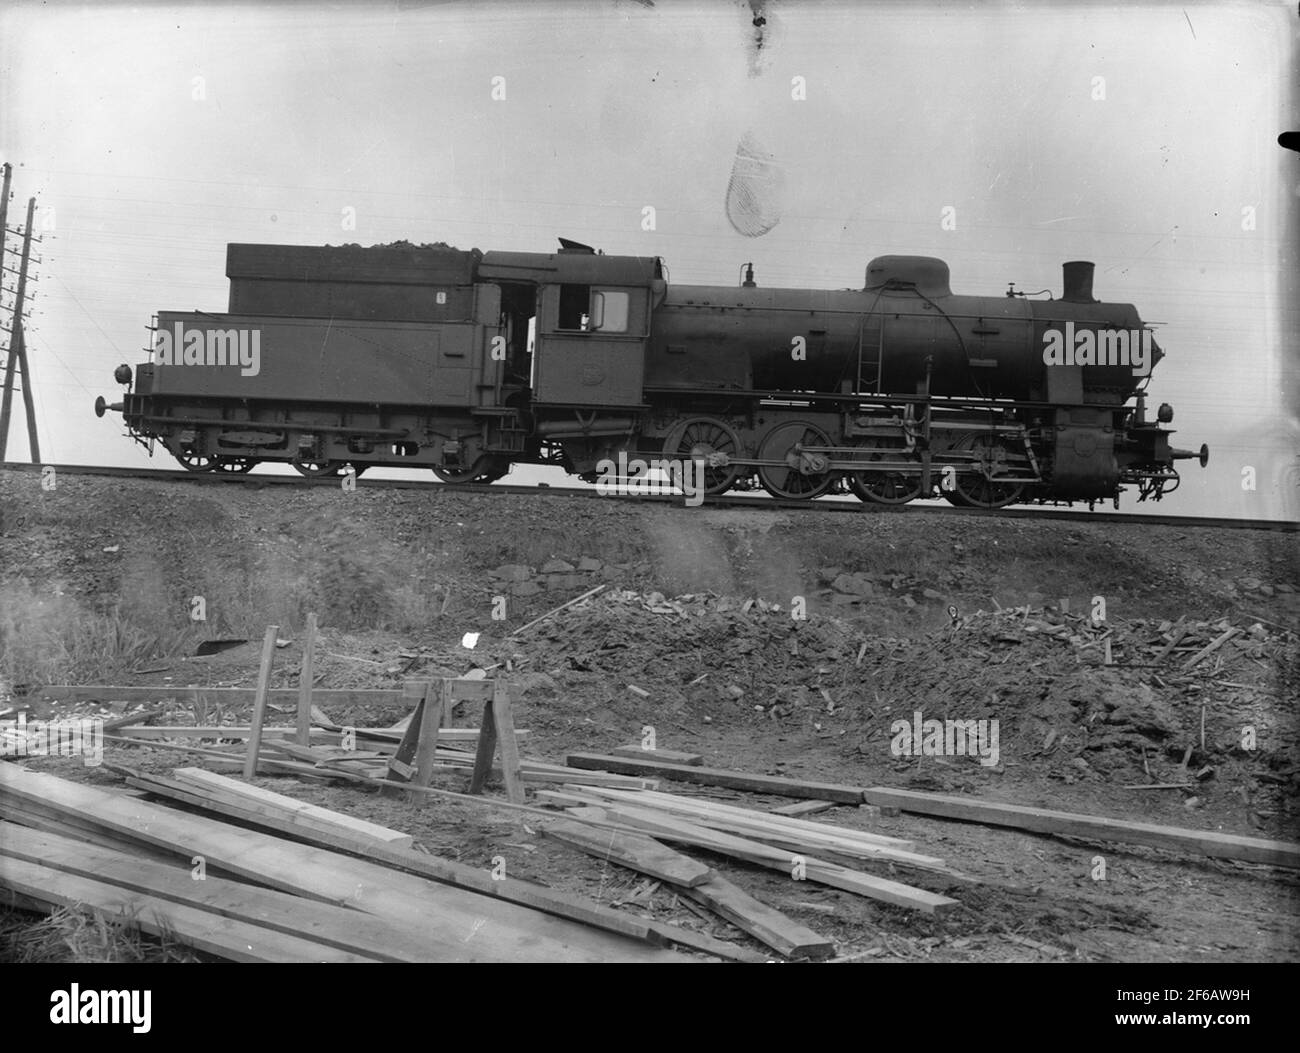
[870, 340]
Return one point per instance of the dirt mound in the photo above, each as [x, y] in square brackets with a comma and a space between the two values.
[1184, 702]
[700, 653]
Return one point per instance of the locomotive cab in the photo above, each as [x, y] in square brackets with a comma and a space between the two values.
[591, 326]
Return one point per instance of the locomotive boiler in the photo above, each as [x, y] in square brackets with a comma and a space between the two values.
[468, 363]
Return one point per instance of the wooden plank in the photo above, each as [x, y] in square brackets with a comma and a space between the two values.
[368, 738]
[1174, 641]
[667, 756]
[563, 606]
[706, 944]
[464, 689]
[794, 840]
[226, 937]
[487, 929]
[507, 744]
[259, 700]
[798, 808]
[1210, 648]
[634, 851]
[266, 765]
[815, 870]
[765, 820]
[305, 676]
[1069, 824]
[299, 809]
[31, 815]
[719, 777]
[401, 765]
[315, 754]
[437, 699]
[566, 774]
[764, 923]
[487, 745]
[339, 927]
[226, 696]
[132, 718]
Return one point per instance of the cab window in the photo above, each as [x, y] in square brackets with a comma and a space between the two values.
[609, 312]
[575, 303]
[588, 310]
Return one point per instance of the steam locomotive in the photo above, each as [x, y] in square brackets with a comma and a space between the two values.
[468, 363]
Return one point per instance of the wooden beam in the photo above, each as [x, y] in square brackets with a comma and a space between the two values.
[38, 818]
[503, 723]
[319, 737]
[792, 834]
[562, 773]
[667, 756]
[1210, 648]
[401, 764]
[298, 809]
[1179, 632]
[305, 677]
[239, 941]
[634, 851]
[437, 699]
[719, 777]
[227, 696]
[556, 610]
[132, 718]
[1069, 824]
[705, 944]
[764, 923]
[793, 825]
[259, 700]
[798, 808]
[338, 927]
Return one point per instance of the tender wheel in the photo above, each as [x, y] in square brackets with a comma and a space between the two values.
[983, 488]
[884, 488]
[197, 462]
[314, 468]
[802, 475]
[712, 441]
[240, 465]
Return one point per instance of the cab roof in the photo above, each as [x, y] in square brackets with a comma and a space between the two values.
[570, 267]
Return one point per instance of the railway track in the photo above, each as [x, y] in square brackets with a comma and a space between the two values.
[757, 502]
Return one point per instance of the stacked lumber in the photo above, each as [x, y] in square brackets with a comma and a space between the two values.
[271, 898]
[800, 849]
[697, 882]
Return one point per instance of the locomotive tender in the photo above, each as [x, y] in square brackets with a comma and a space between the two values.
[468, 363]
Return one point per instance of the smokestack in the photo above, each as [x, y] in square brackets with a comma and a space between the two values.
[1078, 282]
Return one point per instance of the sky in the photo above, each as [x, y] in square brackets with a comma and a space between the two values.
[1142, 137]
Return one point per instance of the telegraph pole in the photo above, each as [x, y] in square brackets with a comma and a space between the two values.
[4, 207]
[18, 353]
[9, 358]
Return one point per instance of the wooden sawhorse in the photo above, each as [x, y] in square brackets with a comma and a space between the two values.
[416, 756]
